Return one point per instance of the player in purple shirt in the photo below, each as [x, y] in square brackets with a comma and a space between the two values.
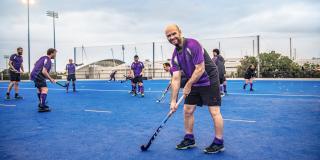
[137, 69]
[167, 68]
[71, 71]
[39, 75]
[202, 87]
[16, 68]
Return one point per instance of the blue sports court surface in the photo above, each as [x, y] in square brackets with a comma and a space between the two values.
[279, 120]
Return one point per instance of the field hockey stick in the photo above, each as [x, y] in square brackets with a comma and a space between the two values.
[146, 146]
[127, 78]
[61, 84]
[15, 71]
[164, 93]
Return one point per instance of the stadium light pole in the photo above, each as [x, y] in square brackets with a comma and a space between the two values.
[28, 2]
[7, 60]
[54, 15]
[125, 67]
[122, 47]
[290, 43]
[258, 53]
[253, 48]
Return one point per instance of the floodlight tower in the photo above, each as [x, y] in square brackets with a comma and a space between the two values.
[54, 16]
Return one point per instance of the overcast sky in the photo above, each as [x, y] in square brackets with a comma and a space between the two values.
[103, 22]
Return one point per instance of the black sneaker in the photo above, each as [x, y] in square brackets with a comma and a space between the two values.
[186, 144]
[214, 148]
[7, 97]
[43, 108]
[18, 97]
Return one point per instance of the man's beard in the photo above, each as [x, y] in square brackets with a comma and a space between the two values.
[179, 41]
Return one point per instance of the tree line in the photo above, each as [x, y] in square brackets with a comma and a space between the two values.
[275, 65]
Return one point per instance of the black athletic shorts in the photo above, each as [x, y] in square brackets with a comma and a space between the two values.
[14, 76]
[183, 82]
[39, 83]
[247, 77]
[71, 77]
[137, 79]
[204, 95]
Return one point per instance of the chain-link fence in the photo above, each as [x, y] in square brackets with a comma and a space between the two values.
[100, 61]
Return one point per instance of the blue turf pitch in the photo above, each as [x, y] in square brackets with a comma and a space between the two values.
[279, 120]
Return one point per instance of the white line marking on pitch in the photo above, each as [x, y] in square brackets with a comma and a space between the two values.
[99, 111]
[241, 94]
[239, 120]
[267, 94]
[8, 105]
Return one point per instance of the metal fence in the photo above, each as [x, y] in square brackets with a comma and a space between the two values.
[100, 61]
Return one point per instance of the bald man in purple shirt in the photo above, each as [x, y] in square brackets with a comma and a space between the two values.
[16, 67]
[39, 75]
[202, 87]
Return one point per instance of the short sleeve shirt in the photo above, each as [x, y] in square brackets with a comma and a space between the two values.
[16, 61]
[190, 55]
[43, 62]
[137, 68]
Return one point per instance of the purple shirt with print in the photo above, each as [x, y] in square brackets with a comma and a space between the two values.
[71, 68]
[43, 62]
[190, 55]
[16, 61]
[137, 68]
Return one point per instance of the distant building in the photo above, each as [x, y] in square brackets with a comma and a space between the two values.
[303, 61]
[231, 65]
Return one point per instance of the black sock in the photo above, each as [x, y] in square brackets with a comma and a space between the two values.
[8, 94]
[251, 85]
[16, 95]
